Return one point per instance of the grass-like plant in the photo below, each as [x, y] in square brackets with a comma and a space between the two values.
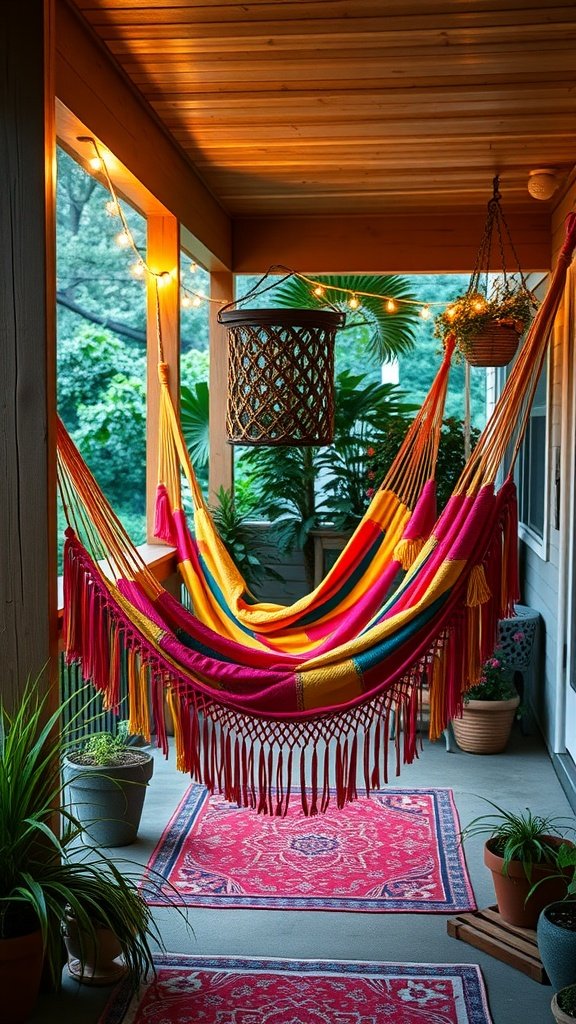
[43, 873]
[523, 836]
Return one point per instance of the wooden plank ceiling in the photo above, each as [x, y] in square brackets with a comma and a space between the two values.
[354, 106]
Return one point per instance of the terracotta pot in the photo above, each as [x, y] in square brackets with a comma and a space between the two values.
[512, 888]
[21, 961]
[485, 725]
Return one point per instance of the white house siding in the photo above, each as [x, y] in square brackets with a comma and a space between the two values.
[540, 571]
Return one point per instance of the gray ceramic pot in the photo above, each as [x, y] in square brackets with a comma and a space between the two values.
[556, 935]
[107, 800]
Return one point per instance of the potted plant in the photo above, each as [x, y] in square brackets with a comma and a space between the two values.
[489, 709]
[106, 779]
[41, 876]
[564, 1005]
[520, 851]
[488, 328]
[556, 930]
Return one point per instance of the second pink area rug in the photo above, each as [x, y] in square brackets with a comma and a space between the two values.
[397, 851]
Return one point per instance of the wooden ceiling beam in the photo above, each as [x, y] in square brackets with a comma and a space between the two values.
[446, 243]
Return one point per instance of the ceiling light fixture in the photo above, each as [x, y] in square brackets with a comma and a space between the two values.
[542, 183]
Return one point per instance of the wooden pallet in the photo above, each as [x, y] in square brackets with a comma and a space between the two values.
[486, 930]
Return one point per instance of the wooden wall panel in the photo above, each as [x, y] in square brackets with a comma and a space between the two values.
[28, 593]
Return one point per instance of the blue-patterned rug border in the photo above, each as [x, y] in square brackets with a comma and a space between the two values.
[470, 974]
[452, 864]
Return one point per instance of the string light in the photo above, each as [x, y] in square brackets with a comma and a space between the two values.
[186, 301]
[196, 301]
[425, 312]
[122, 239]
[111, 208]
[478, 305]
[391, 306]
[95, 163]
[138, 269]
[451, 312]
[354, 301]
[319, 291]
[164, 278]
[193, 267]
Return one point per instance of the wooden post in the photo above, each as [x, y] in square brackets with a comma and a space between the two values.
[28, 586]
[163, 255]
[221, 471]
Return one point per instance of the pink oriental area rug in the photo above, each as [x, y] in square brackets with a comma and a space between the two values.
[397, 851]
[224, 990]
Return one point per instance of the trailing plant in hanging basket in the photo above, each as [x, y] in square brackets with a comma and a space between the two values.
[487, 330]
[488, 325]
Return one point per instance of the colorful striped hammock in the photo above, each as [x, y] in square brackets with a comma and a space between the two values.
[248, 718]
[390, 535]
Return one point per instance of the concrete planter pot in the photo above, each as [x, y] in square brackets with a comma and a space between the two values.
[556, 935]
[560, 1016]
[108, 800]
[485, 725]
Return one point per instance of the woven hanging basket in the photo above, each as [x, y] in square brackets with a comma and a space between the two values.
[280, 375]
[494, 345]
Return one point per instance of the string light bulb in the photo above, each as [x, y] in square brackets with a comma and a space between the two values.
[138, 269]
[451, 312]
[164, 278]
[111, 207]
[122, 239]
[95, 163]
[478, 305]
[186, 301]
[319, 291]
[354, 302]
[425, 312]
[197, 301]
[193, 267]
[390, 306]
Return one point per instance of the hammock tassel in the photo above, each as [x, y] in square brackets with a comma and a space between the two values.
[407, 551]
[478, 590]
[163, 521]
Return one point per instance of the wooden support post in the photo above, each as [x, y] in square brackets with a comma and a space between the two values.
[28, 588]
[163, 255]
[221, 472]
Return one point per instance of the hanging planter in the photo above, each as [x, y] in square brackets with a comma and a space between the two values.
[487, 326]
[280, 375]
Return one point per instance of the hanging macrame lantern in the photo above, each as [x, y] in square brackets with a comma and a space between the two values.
[280, 375]
[488, 325]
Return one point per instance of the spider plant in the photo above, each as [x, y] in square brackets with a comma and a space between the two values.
[524, 836]
[43, 873]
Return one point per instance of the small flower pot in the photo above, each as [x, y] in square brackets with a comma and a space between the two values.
[494, 345]
[560, 1016]
[485, 725]
[93, 960]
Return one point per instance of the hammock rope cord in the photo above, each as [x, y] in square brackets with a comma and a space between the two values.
[253, 723]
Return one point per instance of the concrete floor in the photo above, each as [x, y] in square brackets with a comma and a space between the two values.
[522, 776]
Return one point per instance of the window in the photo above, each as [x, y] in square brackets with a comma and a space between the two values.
[532, 470]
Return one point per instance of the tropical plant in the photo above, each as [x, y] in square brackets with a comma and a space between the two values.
[42, 874]
[302, 489]
[391, 328]
[240, 538]
[469, 314]
[524, 837]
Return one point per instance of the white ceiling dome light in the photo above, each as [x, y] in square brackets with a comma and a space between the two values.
[542, 183]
